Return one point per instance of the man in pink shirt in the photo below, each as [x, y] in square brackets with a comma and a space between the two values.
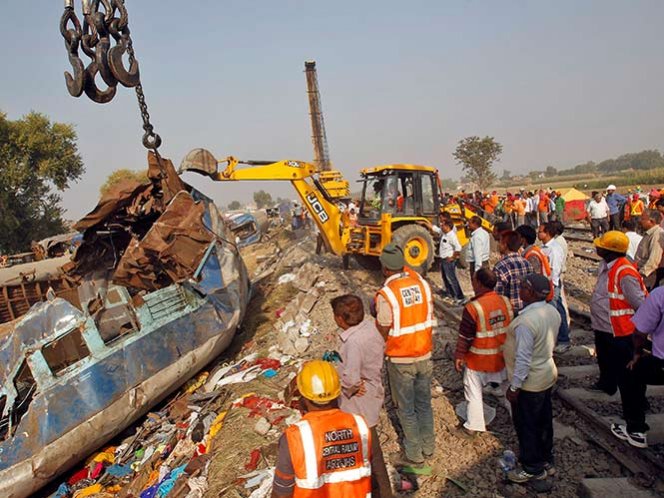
[362, 352]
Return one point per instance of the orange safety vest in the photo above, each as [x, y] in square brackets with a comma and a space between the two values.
[492, 314]
[331, 455]
[637, 208]
[544, 263]
[409, 297]
[620, 311]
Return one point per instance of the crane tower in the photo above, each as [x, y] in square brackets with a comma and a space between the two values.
[318, 136]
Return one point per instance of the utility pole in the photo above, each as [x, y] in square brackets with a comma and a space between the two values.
[318, 136]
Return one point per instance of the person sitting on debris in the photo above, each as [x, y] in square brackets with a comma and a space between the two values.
[643, 370]
[511, 268]
[404, 316]
[528, 353]
[619, 291]
[481, 337]
[328, 452]
[361, 372]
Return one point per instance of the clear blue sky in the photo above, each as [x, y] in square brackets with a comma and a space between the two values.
[555, 82]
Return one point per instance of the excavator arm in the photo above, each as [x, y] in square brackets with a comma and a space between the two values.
[303, 176]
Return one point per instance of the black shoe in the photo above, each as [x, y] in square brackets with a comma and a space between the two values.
[520, 476]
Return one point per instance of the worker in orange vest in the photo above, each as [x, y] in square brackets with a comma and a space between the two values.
[534, 254]
[618, 293]
[479, 346]
[636, 206]
[404, 316]
[327, 454]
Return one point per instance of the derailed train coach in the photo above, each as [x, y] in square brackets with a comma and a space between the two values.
[248, 228]
[154, 293]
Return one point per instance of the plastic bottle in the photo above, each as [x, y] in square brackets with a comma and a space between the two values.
[508, 461]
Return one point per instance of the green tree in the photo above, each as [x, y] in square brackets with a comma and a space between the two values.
[477, 155]
[550, 171]
[262, 199]
[38, 159]
[122, 175]
[234, 205]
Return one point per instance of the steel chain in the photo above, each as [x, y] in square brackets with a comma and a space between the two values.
[93, 38]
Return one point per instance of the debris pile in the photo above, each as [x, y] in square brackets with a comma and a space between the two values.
[293, 325]
[169, 454]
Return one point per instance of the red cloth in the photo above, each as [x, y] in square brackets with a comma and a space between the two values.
[253, 460]
[78, 476]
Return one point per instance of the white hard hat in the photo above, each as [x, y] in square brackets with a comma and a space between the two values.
[611, 187]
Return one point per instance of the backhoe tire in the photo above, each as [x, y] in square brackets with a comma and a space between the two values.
[417, 245]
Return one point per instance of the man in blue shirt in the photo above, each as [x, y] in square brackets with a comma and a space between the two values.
[616, 203]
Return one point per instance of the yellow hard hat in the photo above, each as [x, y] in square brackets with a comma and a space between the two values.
[318, 381]
[613, 241]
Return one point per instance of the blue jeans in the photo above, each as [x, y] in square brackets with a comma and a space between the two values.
[563, 331]
[410, 385]
[448, 271]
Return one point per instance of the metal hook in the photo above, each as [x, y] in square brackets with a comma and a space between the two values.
[101, 58]
[91, 89]
[151, 140]
[129, 78]
[75, 83]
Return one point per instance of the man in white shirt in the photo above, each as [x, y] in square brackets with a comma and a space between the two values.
[479, 247]
[554, 252]
[449, 251]
[598, 213]
[634, 238]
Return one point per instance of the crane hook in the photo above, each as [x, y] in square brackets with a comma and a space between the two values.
[91, 89]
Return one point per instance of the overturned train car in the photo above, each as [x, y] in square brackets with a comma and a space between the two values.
[160, 290]
[248, 228]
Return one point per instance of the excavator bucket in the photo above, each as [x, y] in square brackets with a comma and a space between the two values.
[200, 161]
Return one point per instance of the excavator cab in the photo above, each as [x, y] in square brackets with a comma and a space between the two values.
[399, 204]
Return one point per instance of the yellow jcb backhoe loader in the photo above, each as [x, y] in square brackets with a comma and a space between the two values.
[399, 203]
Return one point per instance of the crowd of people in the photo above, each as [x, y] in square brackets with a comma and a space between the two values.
[524, 207]
[510, 334]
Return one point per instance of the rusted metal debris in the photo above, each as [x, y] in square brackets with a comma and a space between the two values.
[158, 289]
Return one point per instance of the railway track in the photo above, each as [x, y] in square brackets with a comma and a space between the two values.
[577, 371]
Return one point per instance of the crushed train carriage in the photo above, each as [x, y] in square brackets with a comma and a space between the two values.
[159, 289]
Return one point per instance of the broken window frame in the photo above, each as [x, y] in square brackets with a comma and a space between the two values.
[14, 413]
[59, 370]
